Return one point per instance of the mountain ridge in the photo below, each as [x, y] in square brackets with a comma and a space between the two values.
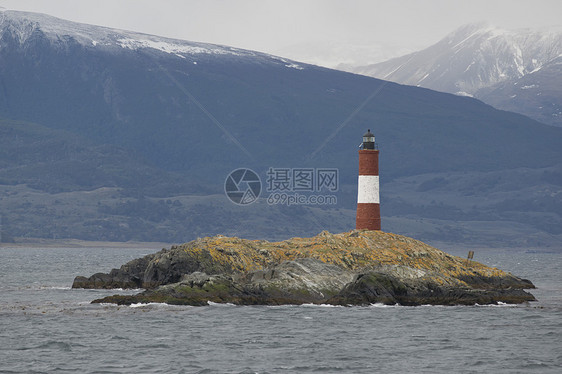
[23, 25]
[476, 58]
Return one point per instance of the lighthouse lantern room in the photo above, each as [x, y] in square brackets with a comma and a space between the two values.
[368, 140]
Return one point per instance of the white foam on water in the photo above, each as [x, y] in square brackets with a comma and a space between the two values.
[211, 303]
[498, 305]
[322, 305]
[381, 305]
[142, 305]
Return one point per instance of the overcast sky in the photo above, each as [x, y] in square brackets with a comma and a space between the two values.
[328, 30]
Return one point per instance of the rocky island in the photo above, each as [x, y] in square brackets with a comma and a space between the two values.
[359, 267]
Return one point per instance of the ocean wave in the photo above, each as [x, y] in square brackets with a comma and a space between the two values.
[143, 305]
[49, 345]
[101, 304]
[498, 305]
[322, 305]
[381, 305]
[212, 303]
[111, 289]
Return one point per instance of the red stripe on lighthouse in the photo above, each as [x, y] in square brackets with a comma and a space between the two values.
[368, 203]
[368, 217]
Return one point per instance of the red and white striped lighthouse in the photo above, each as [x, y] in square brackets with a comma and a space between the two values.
[368, 202]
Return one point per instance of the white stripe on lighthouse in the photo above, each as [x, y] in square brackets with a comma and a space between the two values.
[368, 190]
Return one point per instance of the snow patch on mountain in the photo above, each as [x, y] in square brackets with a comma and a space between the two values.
[174, 48]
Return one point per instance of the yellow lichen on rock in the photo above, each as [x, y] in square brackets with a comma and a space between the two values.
[352, 250]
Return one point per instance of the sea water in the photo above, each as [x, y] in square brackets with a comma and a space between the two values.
[47, 327]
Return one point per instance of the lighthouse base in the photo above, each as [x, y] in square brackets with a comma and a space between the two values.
[368, 216]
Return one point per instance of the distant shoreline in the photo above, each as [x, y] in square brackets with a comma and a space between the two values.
[77, 243]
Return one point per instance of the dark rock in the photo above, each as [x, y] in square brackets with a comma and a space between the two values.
[130, 275]
[296, 282]
[115, 279]
[163, 267]
[380, 287]
[292, 282]
[508, 281]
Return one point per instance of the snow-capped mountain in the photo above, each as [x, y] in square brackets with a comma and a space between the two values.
[23, 27]
[512, 70]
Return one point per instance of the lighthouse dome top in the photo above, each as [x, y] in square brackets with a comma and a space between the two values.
[368, 140]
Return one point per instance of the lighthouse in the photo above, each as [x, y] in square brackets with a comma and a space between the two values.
[368, 202]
